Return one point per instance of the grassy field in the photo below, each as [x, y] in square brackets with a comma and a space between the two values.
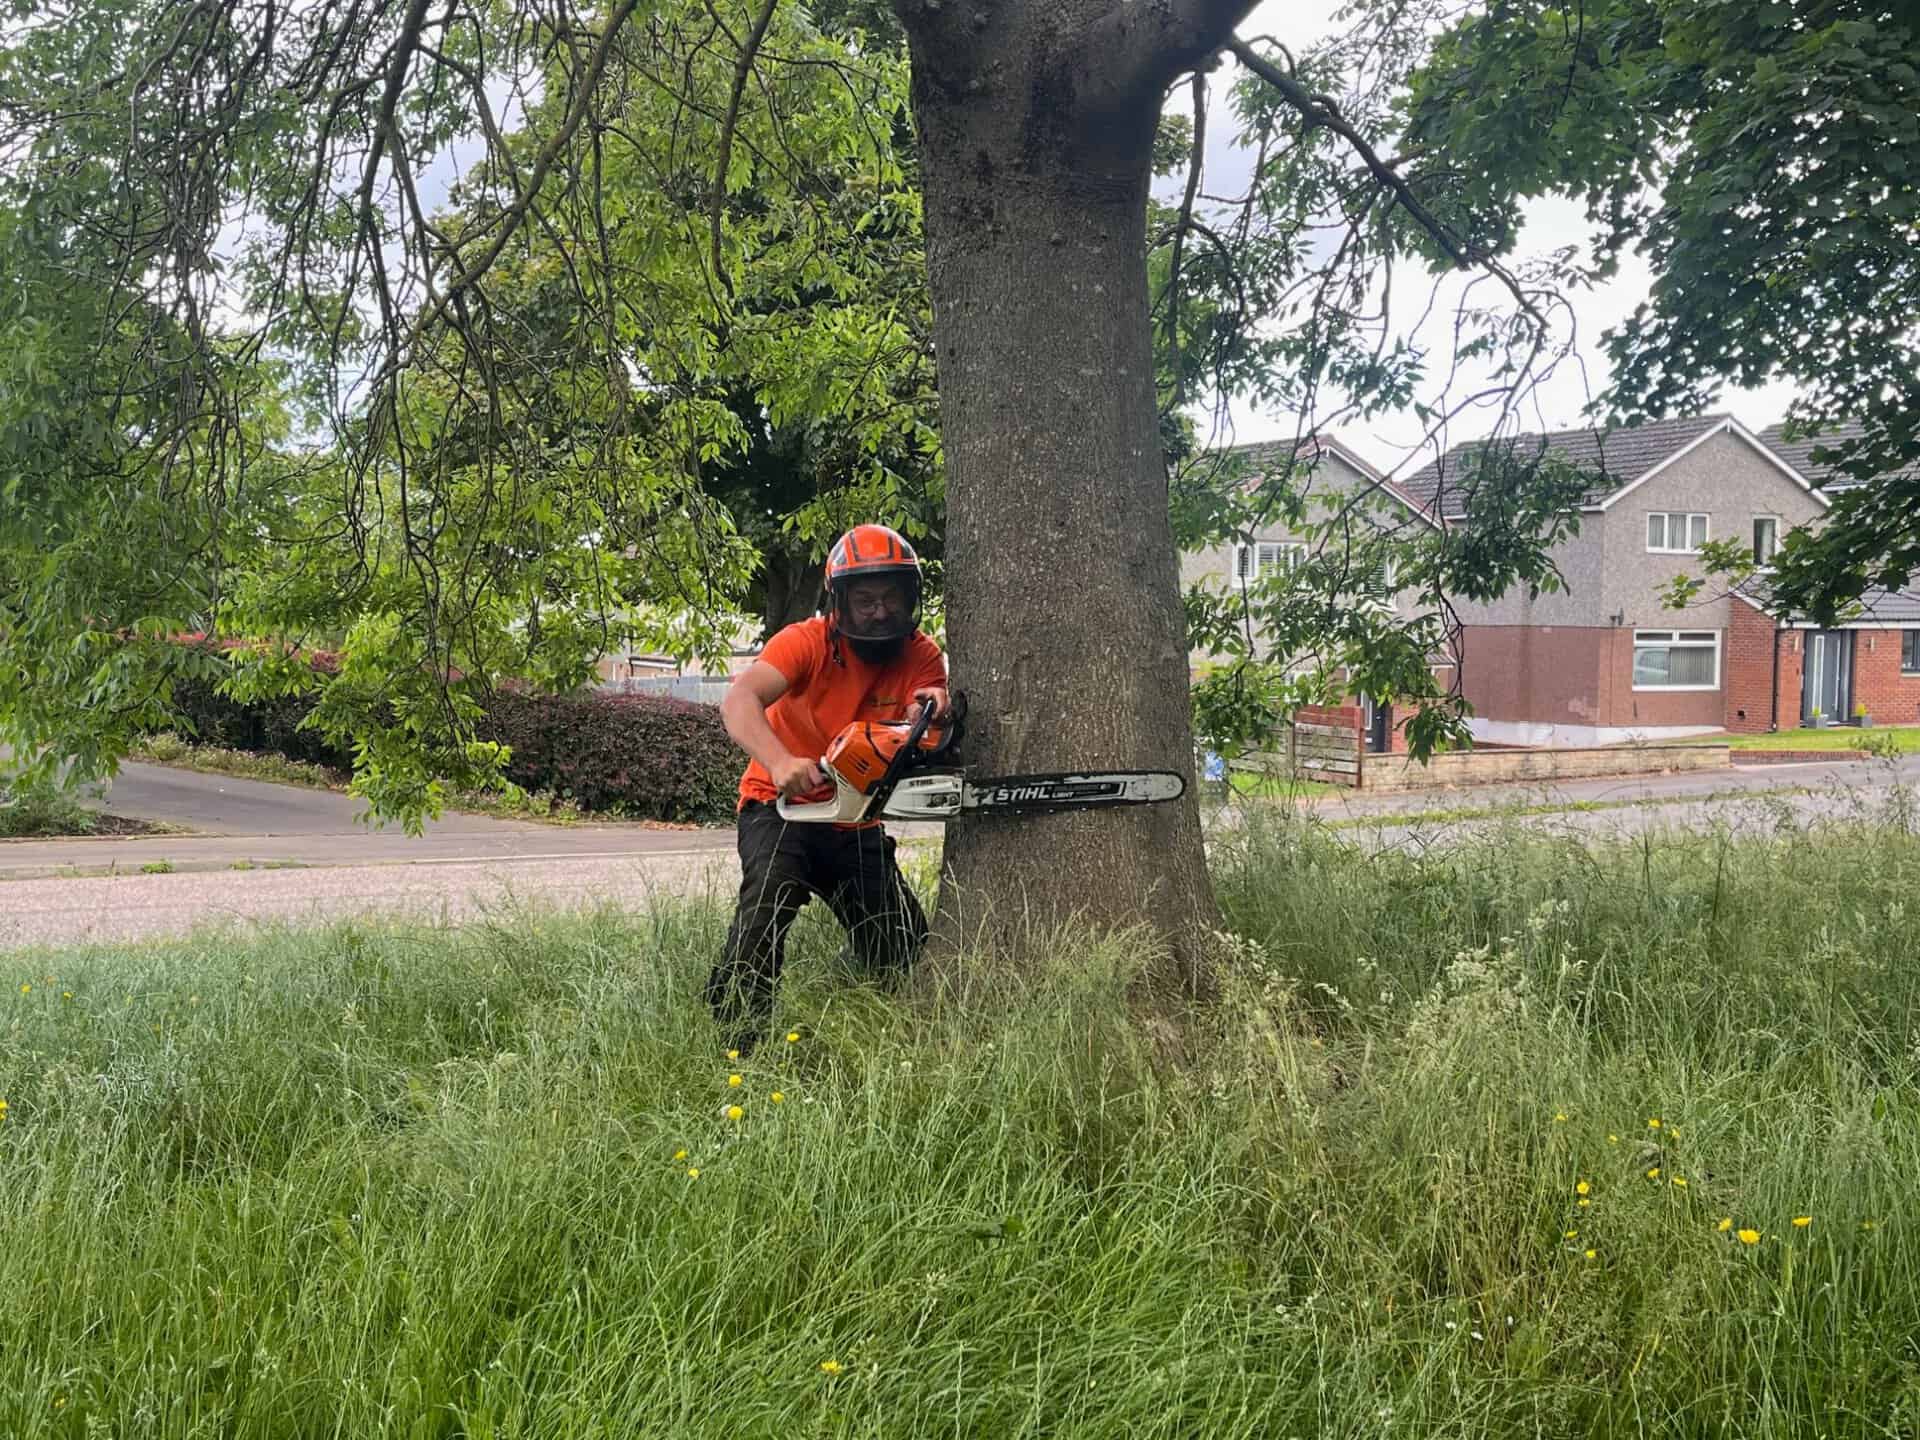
[1519, 1139]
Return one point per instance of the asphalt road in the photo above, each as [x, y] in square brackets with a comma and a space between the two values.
[223, 805]
[472, 865]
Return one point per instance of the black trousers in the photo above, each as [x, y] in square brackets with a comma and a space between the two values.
[782, 866]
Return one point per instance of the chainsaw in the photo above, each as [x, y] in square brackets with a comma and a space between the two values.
[879, 769]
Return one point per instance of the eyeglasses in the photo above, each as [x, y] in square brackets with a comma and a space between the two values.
[876, 602]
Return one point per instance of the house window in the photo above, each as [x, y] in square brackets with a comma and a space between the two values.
[1676, 532]
[1676, 659]
[1379, 579]
[1910, 652]
[1251, 562]
[1766, 539]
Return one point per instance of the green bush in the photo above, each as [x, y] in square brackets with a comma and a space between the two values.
[643, 756]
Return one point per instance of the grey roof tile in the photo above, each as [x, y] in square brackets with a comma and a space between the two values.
[1799, 452]
[1614, 458]
[1877, 606]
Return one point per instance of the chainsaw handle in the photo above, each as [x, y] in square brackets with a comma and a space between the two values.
[904, 755]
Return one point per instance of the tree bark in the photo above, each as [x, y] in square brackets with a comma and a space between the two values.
[1064, 617]
[791, 586]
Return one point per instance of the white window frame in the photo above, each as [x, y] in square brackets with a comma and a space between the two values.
[1686, 518]
[1758, 521]
[1250, 562]
[1677, 640]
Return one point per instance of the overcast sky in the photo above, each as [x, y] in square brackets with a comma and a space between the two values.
[1389, 441]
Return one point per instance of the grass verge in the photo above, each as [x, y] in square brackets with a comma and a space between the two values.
[1898, 739]
[1513, 1139]
[35, 816]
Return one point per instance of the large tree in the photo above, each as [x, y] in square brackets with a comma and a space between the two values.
[676, 181]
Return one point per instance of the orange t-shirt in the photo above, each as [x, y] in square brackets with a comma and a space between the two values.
[822, 698]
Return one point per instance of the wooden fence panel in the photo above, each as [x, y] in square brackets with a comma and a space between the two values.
[1329, 753]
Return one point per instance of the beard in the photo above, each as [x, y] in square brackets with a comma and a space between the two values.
[876, 652]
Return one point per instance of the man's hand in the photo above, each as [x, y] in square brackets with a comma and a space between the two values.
[935, 693]
[794, 777]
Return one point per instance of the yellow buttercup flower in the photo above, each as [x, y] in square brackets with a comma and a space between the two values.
[733, 1054]
[1654, 1124]
[1680, 1182]
[1561, 1118]
[1800, 1222]
[1583, 1202]
[1591, 1254]
[793, 1037]
[1725, 1225]
[694, 1173]
[734, 1112]
[1654, 1173]
[1613, 1139]
[1749, 1237]
[1570, 1235]
[778, 1098]
[679, 1154]
[736, 1080]
[1583, 1188]
[26, 989]
[831, 1367]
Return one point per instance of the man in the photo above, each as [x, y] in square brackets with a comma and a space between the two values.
[864, 659]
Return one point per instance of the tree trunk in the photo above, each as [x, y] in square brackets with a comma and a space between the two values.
[791, 585]
[1064, 616]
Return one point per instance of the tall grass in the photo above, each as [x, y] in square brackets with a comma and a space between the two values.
[387, 1182]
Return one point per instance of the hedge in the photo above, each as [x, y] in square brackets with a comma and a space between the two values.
[645, 756]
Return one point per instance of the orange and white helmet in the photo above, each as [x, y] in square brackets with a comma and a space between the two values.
[873, 552]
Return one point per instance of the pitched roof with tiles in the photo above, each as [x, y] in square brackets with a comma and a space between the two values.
[1613, 457]
[1877, 606]
[1798, 452]
[1267, 456]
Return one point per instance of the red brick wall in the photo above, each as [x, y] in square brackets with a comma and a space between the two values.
[1329, 715]
[1625, 706]
[1544, 673]
[1892, 698]
[1793, 671]
[1747, 671]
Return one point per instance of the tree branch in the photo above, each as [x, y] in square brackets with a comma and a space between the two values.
[510, 220]
[743, 67]
[1138, 48]
[1318, 110]
[1179, 396]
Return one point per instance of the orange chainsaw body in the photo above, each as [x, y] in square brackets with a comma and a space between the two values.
[862, 753]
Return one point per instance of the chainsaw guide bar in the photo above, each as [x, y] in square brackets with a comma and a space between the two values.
[878, 769]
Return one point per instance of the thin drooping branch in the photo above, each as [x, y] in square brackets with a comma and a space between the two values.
[1198, 154]
[509, 220]
[1322, 110]
[742, 68]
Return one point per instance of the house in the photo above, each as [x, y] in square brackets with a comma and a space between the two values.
[1604, 660]
[1332, 479]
